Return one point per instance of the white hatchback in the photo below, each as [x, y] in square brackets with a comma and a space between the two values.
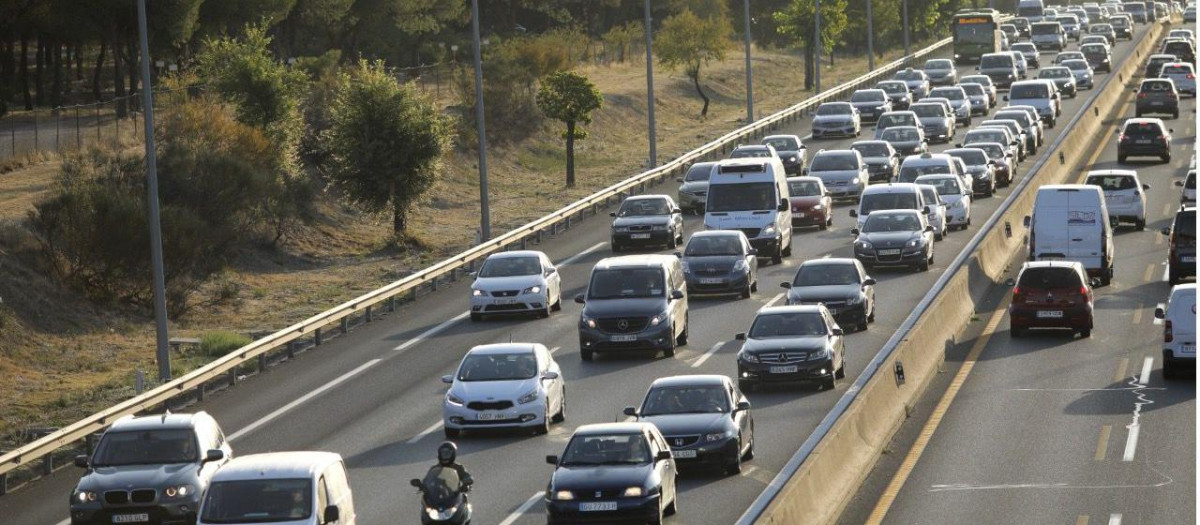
[954, 195]
[1182, 74]
[1124, 195]
[506, 385]
[515, 282]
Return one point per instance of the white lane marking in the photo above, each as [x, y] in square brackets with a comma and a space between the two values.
[774, 300]
[1114, 519]
[64, 522]
[580, 255]
[303, 399]
[432, 428]
[1166, 272]
[1135, 426]
[432, 331]
[1144, 378]
[1131, 442]
[707, 355]
[529, 503]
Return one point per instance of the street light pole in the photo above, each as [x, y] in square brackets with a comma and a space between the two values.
[162, 350]
[650, 87]
[749, 72]
[485, 227]
[870, 39]
[817, 39]
[905, 21]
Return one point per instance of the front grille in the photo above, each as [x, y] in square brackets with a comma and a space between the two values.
[599, 494]
[711, 272]
[116, 497]
[506, 293]
[504, 307]
[682, 441]
[489, 405]
[750, 232]
[142, 496]
[639, 228]
[889, 258]
[782, 357]
[623, 325]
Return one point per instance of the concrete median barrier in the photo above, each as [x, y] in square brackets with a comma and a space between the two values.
[833, 470]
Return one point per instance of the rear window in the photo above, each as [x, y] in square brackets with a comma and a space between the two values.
[1029, 91]
[871, 149]
[1185, 223]
[928, 110]
[900, 134]
[895, 120]
[868, 96]
[892, 87]
[972, 157]
[948, 94]
[698, 172]
[973, 89]
[1176, 70]
[996, 61]
[1112, 182]
[1143, 128]
[1055, 72]
[1156, 85]
[1048, 278]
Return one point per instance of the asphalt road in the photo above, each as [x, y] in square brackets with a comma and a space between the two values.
[374, 395]
[1053, 428]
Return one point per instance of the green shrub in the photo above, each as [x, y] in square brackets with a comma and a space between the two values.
[219, 343]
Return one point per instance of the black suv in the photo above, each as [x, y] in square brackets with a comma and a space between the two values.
[1181, 239]
[1144, 137]
[1157, 95]
[150, 469]
[842, 285]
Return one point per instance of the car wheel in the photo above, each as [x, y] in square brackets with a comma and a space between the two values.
[557, 302]
[658, 519]
[1121, 158]
[1137, 114]
[1172, 277]
[671, 241]
[476, 317]
[746, 291]
[587, 355]
[1166, 157]
[1085, 333]
[745, 386]
[830, 382]
[923, 266]
[749, 455]
[777, 257]
[1140, 224]
[840, 373]
[1175, 115]
[683, 337]
[754, 285]
[787, 252]
[673, 507]
[1016, 332]
[544, 427]
[451, 433]
[734, 466]
[562, 409]
[938, 236]
[871, 316]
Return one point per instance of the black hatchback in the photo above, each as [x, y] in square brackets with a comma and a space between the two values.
[1181, 242]
[1148, 137]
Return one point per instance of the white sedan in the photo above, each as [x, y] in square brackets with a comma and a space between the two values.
[516, 282]
[506, 385]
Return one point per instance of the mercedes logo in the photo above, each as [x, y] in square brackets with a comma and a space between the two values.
[623, 324]
[597, 494]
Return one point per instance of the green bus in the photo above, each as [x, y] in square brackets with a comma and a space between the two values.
[975, 34]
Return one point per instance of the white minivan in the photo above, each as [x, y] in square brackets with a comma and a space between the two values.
[891, 196]
[1070, 221]
[1179, 329]
[296, 488]
[751, 195]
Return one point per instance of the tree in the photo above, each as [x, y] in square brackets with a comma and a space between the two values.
[689, 41]
[386, 141]
[571, 98]
[798, 23]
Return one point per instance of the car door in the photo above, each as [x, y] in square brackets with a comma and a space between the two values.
[676, 216]
[554, 388]
[836, 340]
[1084, 228]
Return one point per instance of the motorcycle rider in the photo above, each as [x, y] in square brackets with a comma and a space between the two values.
[447, 453]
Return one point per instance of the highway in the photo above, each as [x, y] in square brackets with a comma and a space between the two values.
[374, 396]
[1054, 429]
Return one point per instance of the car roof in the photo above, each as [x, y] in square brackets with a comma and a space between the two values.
[164, 421]
[832, 261]
[754, 147]
[805, 178]
[720, 233]
[790, 309]
[648, 197]
[1128, 173]
[795, 137]
[927, 158]
[839, 152]
[515, 254]
[1056, 263]
[891, 187]
[1143, 120]
[503, 348]
[595, 429]
[634, 261]
[970, 148]
[692, 379]
[276, 465]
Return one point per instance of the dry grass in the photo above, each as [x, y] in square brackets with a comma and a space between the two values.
[61, 357]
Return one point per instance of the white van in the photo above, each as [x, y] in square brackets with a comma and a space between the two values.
[1042, 94]
[1032, 10]
[751, 195]
[1179, 329]
[299, 488]
[1070, 221]
[891, 196]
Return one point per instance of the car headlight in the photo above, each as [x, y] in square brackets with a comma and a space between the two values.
[794, 158]
[658, 319]
[529, 397]
[532, 289]
[563, 495]
[818, 207]
[719, 436]
[659, 227]
[863, 245]
[85, 496]
[588, 321]
[179, 491]
[740, 265]
[633, 492]
[769, 230]
[454, 400]
[913, 243]
[477, 293]
[855, 180]
[748, 357]
[819, 354]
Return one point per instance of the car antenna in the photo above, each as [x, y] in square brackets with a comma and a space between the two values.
[510, 337]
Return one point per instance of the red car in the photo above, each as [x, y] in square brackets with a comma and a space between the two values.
[811, 203]
[1052, 294]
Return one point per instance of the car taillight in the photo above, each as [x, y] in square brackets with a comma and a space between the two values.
[1121, 138]
[1141, 95]
[1016, 293]
[1190, 76]
[1083, 292]
[1168, 334]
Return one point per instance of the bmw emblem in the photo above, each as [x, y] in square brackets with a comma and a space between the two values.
[623, 324]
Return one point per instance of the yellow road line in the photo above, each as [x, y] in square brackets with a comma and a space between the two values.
[1158, 239]
[1121, 368]
[1149, 273]
[910, 461]
[1137, 316]
[1166, 209]
[1102, 445]
[1082, 520]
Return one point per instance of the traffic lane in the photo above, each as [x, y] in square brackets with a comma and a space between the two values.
[1054, 417]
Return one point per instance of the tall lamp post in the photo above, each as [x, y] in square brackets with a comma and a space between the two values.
[749, 72]
[650, 86]
[485, 227]
[817, 50]
[870, 39]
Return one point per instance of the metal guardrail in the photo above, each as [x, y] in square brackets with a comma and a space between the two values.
[429, 276]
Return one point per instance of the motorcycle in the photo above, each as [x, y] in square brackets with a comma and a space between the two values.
[442, 501]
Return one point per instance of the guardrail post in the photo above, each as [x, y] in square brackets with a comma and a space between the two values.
[453, 277]
[47, 464]
[233, 377]
[200, 393]
[345, 324]
[262, 363]
[538, 240]
[567, 225]
[317, 339]
[3, 484]
[369, 317]
[523, 243]
[291, 349]
[433, 284]
[392, 300]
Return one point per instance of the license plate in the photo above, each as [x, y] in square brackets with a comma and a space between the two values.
[1052, 314]
[1143, 141]
[1187, 259]
[889, 252]
[595, 506]
[1156, 103]
[790, 369]
[489, 416]
[623, 338]
[800, 215]
[1186, 348]
[639, 236]
[711, 281]
[683, 454]
[131, 518]
[505, 301]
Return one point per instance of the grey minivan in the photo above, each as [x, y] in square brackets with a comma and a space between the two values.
[636, 302]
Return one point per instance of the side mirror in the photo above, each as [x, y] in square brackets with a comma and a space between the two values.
[552, 459]
[215, 454]
[1027, 221]
[630, 411]
[663, 455]
[1170, 130]
[1006, 98]
[753, 251]
[740, 336]
[1165, 231]
[549, 375]
[1179, 183]
[837, 331]
[550, 271]
[81, 461]
[929, 228]
[416, 483]
[1160, 313]
[869, 281]
[448, 379]
[676, 294]
[853, 212]
[743, 405]
[783, 206]
[332, 514]
[1145, 186]
[925, 210]
[614, 214]
[579, 299]
[678, 255]
[785, 284]
[1010, 282]
[473, 275]
[853, 231]
[1095, 282]
[676, 210]
[958, 145]
[678, 179]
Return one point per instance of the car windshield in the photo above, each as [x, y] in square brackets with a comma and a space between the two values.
[626, 283]
[833, 109]
[873, 202]
[1055, 72]
[1076, 65]
[938, 64]
[928, 110]
[686, 399]
[782, 143]
[803, 188]
[1048, 278]
[834, 163]
[789, 324]
[974, 90]
[698, 172]
[644, 207]
[710, 245]
[748, 196]
[892, 87]
[868, 96]
[1044, 29]
[892, 222]
[1028, 91]
[901, 134]
[611, 449]
[871, 149]
[887, 121]
[258, 501]
[1112, 182]
[511, 266]
[825, 275]
[498, 367]
[943, 185]
[146, 447]
[948, 94]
